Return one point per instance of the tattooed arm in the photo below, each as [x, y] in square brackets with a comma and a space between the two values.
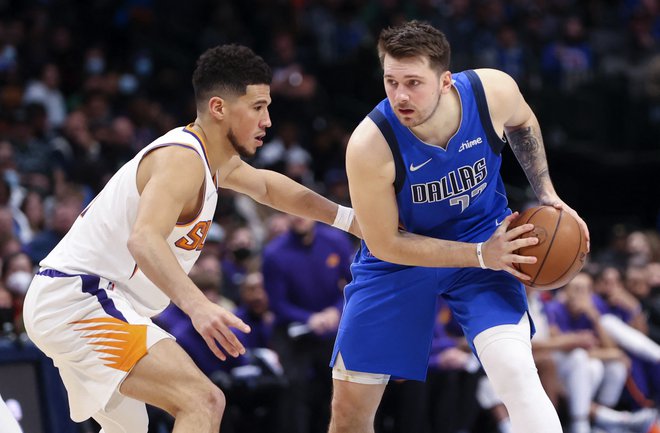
[527, 144]
[512, 116]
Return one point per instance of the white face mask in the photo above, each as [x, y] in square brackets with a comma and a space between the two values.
[18, 282]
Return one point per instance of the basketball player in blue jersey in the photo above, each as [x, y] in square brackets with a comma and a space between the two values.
[128, 254]
[424, 179]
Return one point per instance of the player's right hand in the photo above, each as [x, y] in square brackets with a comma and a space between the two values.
[499, 251]
[213, 323]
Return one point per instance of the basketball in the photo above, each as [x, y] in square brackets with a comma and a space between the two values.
[561, 251]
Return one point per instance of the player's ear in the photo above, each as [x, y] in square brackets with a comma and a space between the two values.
[445, 81]
[217, 107]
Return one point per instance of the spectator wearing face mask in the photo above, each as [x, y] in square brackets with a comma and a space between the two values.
[17, 273]
[240, 258]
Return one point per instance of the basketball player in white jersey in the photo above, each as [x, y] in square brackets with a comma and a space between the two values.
[129, 252]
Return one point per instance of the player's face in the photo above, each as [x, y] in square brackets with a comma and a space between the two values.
[249, 119]
[412, 87]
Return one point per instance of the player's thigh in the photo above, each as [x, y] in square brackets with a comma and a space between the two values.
[356, 400]
[483, 299]
[168, 378]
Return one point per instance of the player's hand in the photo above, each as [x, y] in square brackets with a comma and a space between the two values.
[498, 251]
[559, 204]
[582, 339]
[213, 323]
[324, 321]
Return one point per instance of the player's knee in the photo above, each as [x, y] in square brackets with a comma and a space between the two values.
[213, 401]
[512, 376]
[578, 357]
[205, 399]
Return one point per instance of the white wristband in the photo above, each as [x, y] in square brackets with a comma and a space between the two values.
[480, 256]
[344, 218]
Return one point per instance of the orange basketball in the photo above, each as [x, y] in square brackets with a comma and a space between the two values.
[561, 251]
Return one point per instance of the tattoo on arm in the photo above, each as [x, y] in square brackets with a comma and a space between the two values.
[527, 145]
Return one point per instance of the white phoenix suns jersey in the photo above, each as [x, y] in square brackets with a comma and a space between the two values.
[97, 243]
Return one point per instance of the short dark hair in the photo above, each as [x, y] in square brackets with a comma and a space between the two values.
[413, 39]
[226, 71]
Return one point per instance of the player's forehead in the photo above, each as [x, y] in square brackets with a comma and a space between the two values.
[406, 67]
[257, 93]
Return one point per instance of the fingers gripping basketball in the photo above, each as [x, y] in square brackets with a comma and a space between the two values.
[560, 252]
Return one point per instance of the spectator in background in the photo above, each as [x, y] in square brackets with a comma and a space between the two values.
[577, 310]
[276, 224]
[46, 91]
[77, 154]
[33, 145]
[7, 312]
[33, 209]
[254, 310]
[17, 273]
[578, 375]
[293, 86]
[641, 247]
[7, 228]
[568, 63]
[282, 148]
[614, 254]
[651, 304]
[65, 213]
[645, 373]
[305, 271]
[240, 258]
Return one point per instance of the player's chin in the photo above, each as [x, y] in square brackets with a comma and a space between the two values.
[405, 120]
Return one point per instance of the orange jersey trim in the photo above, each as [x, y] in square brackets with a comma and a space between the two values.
[121, 343]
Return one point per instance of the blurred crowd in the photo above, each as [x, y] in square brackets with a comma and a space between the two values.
[85, 85]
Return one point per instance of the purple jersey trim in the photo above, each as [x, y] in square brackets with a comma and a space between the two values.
[90, 284]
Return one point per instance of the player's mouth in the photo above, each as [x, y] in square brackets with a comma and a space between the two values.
[406, 111]
[260, 139]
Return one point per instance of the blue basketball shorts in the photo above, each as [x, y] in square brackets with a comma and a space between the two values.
[388, 319]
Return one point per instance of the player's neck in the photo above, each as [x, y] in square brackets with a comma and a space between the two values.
[443, 123]
[210, 136]
[218, 146]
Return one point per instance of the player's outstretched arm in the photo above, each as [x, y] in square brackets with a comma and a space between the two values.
[510, 112]
[371, 172]
[280, 192]
[169, 180]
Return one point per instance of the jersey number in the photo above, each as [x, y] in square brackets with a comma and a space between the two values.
[195, 238]
[464, 200]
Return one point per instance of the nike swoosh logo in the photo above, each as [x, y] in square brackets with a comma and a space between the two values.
[415, 168]
[499, 223]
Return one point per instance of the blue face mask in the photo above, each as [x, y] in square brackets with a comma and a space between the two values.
[95, 65]
[143, 66]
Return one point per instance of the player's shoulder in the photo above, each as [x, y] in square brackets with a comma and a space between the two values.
[497, 83]
[367, 139]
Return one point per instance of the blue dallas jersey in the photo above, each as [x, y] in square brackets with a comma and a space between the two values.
[455, 193]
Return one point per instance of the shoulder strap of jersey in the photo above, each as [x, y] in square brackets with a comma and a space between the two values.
[496, 143]
[386, 129]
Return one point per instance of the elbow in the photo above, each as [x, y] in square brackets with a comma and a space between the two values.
[380, 249]
[136, 245]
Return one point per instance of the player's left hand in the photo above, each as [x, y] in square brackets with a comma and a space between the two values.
[557, 203]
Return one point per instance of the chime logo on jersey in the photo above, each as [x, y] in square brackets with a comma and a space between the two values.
[454, 183]
[470, 143]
